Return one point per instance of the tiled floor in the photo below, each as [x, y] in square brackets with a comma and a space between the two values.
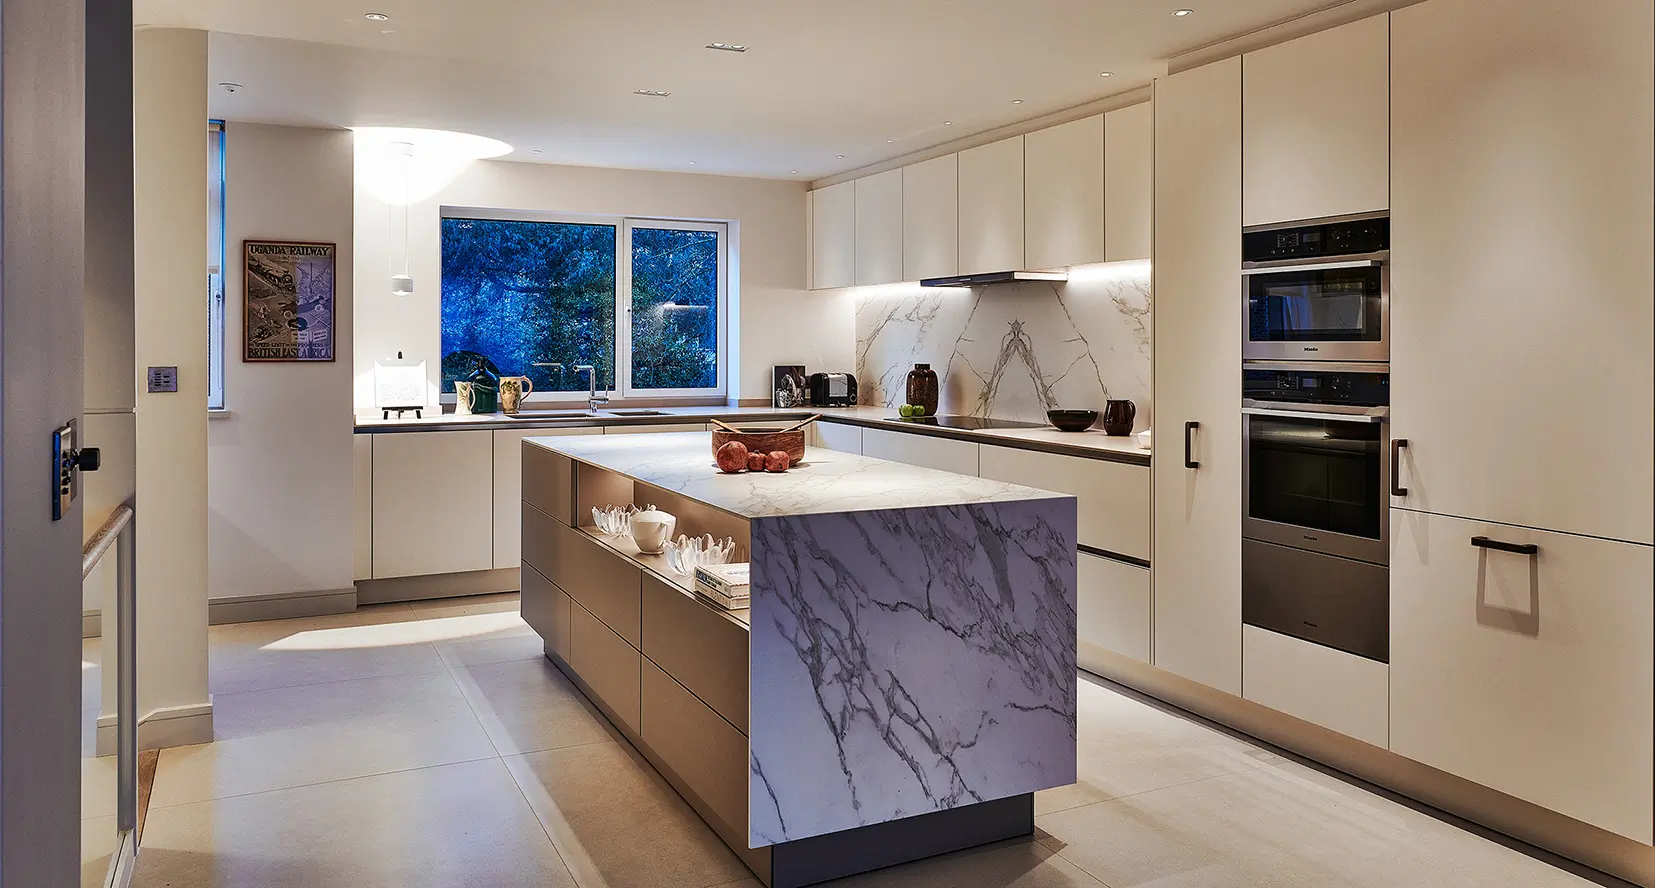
[432, 745]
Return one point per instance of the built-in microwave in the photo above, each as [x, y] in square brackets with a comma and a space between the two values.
[1318, 291]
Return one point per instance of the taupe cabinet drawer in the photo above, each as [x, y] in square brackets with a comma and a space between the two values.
[702, 749]
[585, 570]
[548, 482]
[546, 609]
[608, 665]
[705, 651]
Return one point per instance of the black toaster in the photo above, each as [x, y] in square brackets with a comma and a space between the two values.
[832, 389]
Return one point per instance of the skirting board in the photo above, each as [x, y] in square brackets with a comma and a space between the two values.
[449, 585]
[1522, 820]
[280, 606]
[163, 728]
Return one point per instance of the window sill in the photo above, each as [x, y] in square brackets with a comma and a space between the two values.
[220, 413]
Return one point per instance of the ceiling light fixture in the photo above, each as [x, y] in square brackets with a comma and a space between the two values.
[728, 47]
[377, 17]
[231, 87]
[889, 141]
[840, 156]
[1180, 13]
[1107, 74]
[535, 151]
[794, 172]
[1017, 101]
[692, 163]
[655, 93]
[948, 123]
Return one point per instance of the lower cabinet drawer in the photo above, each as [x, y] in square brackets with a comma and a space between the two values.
[1113, 602]
[1112, 505]
[704, 750]
[704, 651]
[603, 581]
[546, 609]
[608, 665]
[917, 449]
[1339, 691]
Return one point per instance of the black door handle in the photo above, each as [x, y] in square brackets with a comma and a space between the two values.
[1483, 542]
[1396, 467]
[1189, 454]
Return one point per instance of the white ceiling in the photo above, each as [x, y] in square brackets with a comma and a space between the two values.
[866, 79]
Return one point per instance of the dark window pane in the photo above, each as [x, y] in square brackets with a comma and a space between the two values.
[674, 308]
[521, 292]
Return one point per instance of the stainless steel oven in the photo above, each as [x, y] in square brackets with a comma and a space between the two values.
[1318, 291]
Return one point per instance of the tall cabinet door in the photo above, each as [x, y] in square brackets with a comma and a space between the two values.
[1197, 541]
[1316, 127]
[879, 228]
[991, 207]
[1521, 294]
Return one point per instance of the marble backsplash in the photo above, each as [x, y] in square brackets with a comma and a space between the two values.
[1012, 351]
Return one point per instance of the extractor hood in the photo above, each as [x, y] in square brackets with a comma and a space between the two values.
[994, 277]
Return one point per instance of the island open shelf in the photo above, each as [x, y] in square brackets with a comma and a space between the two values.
[902, 685]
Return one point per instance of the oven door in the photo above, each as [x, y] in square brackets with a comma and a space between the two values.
[1317, 481]
[1318, 311]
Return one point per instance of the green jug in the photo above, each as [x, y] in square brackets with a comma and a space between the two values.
[485, 387]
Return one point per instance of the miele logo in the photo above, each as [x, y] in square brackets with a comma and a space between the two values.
[1311, 348]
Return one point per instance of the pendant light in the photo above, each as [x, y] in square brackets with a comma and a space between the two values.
[402, 284]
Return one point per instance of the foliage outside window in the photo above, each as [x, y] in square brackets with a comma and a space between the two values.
[642, 301]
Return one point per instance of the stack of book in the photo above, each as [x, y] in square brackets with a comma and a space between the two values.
[725, 585]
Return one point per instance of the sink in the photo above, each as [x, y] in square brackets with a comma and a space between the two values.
[551, 414]
[637, 413]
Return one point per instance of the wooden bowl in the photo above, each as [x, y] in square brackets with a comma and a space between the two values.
[764, 441]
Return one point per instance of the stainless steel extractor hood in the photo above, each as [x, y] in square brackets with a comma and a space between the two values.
[994, 277]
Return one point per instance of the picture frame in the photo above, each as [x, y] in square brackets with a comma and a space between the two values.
[289, 293]
[787, 386]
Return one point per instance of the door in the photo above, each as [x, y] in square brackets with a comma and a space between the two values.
[991, 207]
[1063, 194]
[1128, 182]
[1197, 278]
[879, 228]
[833, 236]
[931, 218]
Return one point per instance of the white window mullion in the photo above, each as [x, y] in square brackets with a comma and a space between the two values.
[623, 310]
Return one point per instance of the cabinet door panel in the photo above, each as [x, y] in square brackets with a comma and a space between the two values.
[930, 451]
[833, 236]
[1128, 182]
[609, 666]
[1339, 691]
[879, 228]
[658, 429]
[838, 436]
[508, 489]
[433, 503]
[1113, 602]
[703, 650]
[546, 609]
[991, 207]
[1528, 674]
[1522, 308]
[1063, 194]
[1197, 552]
[931, 218]
[1316, 126]
[604, 582]
[362, 504]
[1112, 498]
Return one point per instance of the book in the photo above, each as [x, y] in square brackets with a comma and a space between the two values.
[721, 598]
[730, 579]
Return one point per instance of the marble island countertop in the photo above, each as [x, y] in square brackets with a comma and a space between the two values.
[827, 482]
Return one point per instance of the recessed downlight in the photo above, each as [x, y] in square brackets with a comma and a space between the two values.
[1180, 13]
[230, 86]
[1017, 101]
[1106, 74]
[654, 93]
[794, 172]
[948, 123]
[728, 47]
[536, 151]
[376, 17]
[840, 156]
[692, 163]
[889, 141]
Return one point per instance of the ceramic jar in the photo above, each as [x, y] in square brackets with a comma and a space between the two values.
[1118, 417]
[651, 529]
[922, 388]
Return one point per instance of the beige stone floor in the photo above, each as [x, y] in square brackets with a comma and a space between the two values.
[432, 745]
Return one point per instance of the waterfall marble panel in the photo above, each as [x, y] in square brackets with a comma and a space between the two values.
[1013, 351]
[905, 661]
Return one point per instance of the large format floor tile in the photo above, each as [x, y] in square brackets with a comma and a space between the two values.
[528, 706]
[455, 825]
[284, 653]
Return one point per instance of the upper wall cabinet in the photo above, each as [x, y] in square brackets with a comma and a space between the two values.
[1063, 194]
[991, 207]
[1129, 182]
[879, 228]
[1316, 125]
[931, 218]
[833, 236]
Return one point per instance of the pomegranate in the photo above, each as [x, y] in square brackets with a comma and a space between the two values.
[755, 462]
[777, 461]
[732, 457]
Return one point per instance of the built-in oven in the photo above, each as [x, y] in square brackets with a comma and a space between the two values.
[1317, 291]
[1315, 498]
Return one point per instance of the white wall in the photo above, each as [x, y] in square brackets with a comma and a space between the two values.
[279, 466]
[777, 321]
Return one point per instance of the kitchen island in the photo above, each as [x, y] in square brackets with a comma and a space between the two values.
[902, 685]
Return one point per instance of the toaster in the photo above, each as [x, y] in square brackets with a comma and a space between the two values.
[832, 389]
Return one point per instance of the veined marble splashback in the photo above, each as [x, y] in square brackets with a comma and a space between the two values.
[1012, 351]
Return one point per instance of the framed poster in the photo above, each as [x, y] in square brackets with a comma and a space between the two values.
[787, 385]
[287, 307]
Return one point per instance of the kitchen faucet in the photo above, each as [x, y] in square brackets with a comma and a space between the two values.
[593, 399]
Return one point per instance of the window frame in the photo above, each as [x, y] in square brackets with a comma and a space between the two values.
[216, 272]
[623, 392]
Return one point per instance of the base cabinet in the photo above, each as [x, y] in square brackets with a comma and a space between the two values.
[1113, 606]
[1339, 691]
[1112, 497]
[508, 489]
[609, 666]
[930, 451]
[433, 503]
[837, 436]
[1529, 674]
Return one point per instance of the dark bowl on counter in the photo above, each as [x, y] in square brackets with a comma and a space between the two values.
[1072, 420]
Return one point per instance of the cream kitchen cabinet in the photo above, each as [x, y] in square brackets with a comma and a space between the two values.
[1112, 505]
[1197, 489]
[660, 428]
[833, 236]
[1321, 685]
[1316, 124]
[931, 451]
[931, 218]
[879, 228]
[1530, 674]
[1113, 604]
[362, 504]
[1063, 194]
[1522, 309]
[991, 207]
[508, 489]
[836, 436]
[1128, 182]
[433, 503]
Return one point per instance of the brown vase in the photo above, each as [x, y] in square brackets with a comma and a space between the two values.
[1118, 417]
[922, 388]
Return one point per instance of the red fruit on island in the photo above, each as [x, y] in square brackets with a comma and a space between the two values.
[732, 457]
[755, 462]
[777, 461]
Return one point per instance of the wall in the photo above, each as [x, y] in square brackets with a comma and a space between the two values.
[279, 465]
[1012, 351]
[777, 321]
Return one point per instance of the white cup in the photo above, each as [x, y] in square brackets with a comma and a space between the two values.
[651, 529]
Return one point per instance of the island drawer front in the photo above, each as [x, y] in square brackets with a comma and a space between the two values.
[549, 482]
[546, 610]
[704, 750]
[608, 665]
[603, 581]
[1113, 497]
[540, 535]
[702, 650]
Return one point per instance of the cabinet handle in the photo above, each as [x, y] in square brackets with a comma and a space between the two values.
[1483, 542]
[1189, 453]
[1396, 467]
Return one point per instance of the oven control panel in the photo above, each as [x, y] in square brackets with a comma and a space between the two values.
[1357, 389]
[1324, 239]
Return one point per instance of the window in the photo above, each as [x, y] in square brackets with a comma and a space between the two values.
[642, 301]
[215, 265]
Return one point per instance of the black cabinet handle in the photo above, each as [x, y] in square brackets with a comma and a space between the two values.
[1483, 542]
[1189, 453]
[1396, 467]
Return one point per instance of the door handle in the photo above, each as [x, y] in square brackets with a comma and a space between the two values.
[1189, 453]
[1396, 467]
[1483, 542]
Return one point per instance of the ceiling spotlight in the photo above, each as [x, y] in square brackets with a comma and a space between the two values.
[534, 151]
[377, 17]
[231, 87]
[889, 141]
[692, 163]
[656, 93]
[840, 156]
[1180, 13]
[794, 172]
[1017, 101]
[1107, 74]
[728, 47]
[948, 123]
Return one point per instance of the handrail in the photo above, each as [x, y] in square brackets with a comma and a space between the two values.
[101, 542]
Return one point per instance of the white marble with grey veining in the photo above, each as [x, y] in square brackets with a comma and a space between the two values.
[909, 661]
[1013, 351]
[828, 481]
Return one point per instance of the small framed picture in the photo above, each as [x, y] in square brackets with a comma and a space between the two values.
[287, 303]
[787, 388]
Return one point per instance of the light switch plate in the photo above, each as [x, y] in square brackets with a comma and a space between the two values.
[163, 379]
[65, 480]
